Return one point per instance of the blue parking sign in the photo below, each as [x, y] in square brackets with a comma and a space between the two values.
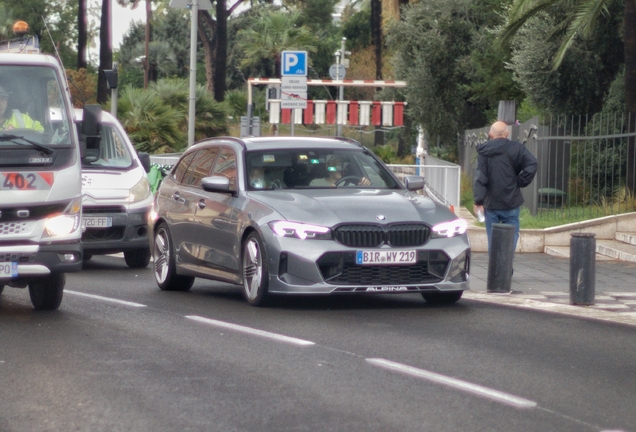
[294, 63]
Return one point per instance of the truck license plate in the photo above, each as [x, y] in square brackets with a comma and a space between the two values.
[375, 257]
[8, 269]
[97, 222]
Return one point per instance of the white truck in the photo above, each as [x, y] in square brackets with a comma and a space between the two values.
[40, 173]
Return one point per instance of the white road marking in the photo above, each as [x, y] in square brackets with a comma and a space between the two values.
[562, 308]
[476, 389]
[252, 331]
[107, 299]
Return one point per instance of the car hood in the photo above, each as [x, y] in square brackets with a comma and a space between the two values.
[331, 207]
[109, 184]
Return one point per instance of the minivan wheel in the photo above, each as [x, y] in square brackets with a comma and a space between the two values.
[255, 274]
[165, 269]
[46, 293]
[443, 298]
[137, 258]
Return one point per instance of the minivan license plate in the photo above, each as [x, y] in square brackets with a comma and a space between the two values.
[9, 269]
[97, 222]
[386, 257]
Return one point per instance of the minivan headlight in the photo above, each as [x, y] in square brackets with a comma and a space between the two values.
[140, 191]
[450, 229]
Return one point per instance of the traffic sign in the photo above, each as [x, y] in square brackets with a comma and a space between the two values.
[337, 71]
[293, 92]
[294, 63]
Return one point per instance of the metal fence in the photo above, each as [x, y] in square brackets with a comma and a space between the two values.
[586, 165]
[442, 179]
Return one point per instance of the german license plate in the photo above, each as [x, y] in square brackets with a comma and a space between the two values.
[8, 269]
[386, 257]
[97, 222]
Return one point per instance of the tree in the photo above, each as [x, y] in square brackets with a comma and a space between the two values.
[269, 36]
[105, 51]
[580, 23]
[82, 35]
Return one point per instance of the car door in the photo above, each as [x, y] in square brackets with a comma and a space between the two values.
[216, 213]
[185, 197]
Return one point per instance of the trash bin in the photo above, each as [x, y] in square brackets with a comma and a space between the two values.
[551, 198]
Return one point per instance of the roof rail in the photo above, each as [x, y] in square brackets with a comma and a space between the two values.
[349, 140]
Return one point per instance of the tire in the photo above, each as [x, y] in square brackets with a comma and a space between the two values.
[165, 269]
[255, 273]
[137, 258]
[87, 257]
[46, 293]
[443, 298]
[1, 288]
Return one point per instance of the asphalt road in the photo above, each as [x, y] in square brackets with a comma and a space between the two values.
[121, 355]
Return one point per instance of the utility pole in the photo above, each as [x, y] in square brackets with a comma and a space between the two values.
[147, 44]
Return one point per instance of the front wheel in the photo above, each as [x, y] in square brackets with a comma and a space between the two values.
[255, 274]
[137, 258]
[165, 269]
[1, 288]
[46, 293]
[443, 298]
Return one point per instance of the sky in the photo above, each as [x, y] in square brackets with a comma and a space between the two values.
[122, 19]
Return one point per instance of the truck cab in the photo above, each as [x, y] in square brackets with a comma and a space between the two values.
[40, 174]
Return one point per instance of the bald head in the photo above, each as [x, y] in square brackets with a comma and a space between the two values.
[498, 130]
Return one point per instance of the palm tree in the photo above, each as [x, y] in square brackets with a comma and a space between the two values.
[581, 22]
[105, 51]
[272, 34]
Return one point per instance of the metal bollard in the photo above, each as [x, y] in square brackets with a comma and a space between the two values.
[500, 258]
[582, 268]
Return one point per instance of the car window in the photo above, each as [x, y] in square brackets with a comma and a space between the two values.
[316, 168]
[200, 167]
[226, 166]
[182, 166]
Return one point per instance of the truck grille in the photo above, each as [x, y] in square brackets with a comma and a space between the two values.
[15, 228]
[397, 235]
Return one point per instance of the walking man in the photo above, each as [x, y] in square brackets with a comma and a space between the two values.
[503, 168]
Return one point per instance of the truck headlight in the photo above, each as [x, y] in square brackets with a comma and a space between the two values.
[65, 223]
[140, 191]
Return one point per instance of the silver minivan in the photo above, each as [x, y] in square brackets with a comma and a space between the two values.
[116, 196]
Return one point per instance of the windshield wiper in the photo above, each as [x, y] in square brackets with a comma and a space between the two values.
[14, 139]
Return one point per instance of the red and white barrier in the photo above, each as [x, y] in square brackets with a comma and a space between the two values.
[353, 113]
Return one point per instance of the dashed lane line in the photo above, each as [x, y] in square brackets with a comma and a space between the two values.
[252, 331]
[458, 384]
[106, 299]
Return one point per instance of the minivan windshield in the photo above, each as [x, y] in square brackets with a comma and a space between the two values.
[113, 152]
[306, 168]
[32, 109]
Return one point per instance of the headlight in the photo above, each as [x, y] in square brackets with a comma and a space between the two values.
[450, 229]
[300, 230]
[140, 191]
[65, 223]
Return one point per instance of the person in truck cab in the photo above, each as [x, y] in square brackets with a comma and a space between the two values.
[14, 119]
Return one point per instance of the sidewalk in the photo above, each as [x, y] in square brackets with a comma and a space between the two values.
[545, 278]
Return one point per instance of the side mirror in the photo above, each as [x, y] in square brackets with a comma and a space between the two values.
[414, 183]
[90, 132]
[216, 184]
[145, 161]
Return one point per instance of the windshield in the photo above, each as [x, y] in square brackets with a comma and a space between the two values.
[313, 169]
[32, 109]
[113, 152]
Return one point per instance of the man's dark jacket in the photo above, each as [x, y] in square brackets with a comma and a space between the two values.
[503, 168]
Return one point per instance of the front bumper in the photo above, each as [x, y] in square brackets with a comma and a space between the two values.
[36, 261]
[327, 267]
[128, 231]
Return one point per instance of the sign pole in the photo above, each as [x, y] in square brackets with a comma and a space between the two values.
[194, 14]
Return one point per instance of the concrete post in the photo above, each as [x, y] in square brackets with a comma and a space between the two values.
[500, 258]
[582, 268]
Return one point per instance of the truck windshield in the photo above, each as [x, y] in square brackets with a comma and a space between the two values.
[32, 109]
